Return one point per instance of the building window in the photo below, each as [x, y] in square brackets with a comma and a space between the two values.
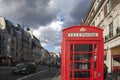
[111, 29]
[105, 57]
[105, 10]
[102, 15]
[114, 2]
[99, 18]
[118, 30]
[97, 21]
[109, 6]
[96, 5]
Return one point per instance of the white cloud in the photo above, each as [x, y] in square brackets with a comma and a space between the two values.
[58, 48]
[43, 13]
[52, 5]
[56, 25]
[32, 12]
[50, 35]
[12, 9]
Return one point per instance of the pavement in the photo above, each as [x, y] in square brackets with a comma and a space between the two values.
[58, 78]
[112, 76]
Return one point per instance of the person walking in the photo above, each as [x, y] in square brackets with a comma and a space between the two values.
[49, 65]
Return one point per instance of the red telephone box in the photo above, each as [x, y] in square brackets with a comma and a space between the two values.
[82, 53]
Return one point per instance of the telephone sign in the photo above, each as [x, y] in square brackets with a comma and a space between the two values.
[82, 34]
[82, 53]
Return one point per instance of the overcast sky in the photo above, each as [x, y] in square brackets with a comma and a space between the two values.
[46, 18]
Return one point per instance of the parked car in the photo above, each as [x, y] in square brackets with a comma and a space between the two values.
[24, 68]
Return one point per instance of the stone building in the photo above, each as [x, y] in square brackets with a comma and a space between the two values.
[7, 42]
[16, 43]
[45, 56]
[106, 15]
[36, 50]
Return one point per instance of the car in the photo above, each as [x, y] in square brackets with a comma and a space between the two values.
[24, 68]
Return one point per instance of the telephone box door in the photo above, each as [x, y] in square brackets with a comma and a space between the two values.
[82, 60]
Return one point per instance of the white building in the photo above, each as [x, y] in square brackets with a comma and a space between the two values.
[7, 42]
[15, 43]
[36, 50]
[106, 15]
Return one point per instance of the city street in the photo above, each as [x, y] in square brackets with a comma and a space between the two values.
[59, 39]
[43, 73]
[5, 73]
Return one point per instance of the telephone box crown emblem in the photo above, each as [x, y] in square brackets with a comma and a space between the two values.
[82, 29]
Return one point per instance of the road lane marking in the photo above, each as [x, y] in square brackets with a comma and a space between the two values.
[32, 75]
[55, 78]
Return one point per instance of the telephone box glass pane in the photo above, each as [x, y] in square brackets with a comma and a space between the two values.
[71, 56]
[82, 65]
[83, 48]
[95, 47]
[85, 74]
[70, 74]
[71, 65]
[71, 47]
[80, 57]
[83, 56]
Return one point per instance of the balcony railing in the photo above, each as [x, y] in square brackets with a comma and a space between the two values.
[109, 37]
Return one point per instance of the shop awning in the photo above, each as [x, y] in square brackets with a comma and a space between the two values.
[116, 57]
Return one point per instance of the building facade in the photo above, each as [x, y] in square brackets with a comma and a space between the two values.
[36, 50]
[54, 57]
[45, 56]
[16, 44]
[18, 36]
[106, 15]
[7, 42]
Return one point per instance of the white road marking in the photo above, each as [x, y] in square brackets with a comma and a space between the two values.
[55, 78]
[32, 75]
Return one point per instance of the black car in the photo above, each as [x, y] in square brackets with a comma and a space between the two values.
[24, 68]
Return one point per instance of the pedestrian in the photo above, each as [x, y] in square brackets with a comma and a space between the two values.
[49, 65]
[105, 71]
